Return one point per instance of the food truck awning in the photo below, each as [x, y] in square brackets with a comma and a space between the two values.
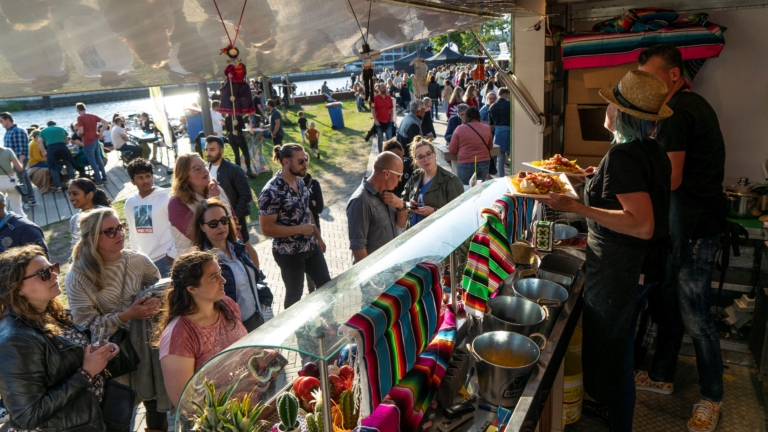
[64, 46]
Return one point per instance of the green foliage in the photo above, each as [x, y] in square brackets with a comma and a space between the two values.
[490, 33]
[222, 413]
[243, 416]
[349, 413]
[287, 410]
[11, 106]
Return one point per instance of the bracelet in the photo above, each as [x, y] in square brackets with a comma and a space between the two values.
[86, 374]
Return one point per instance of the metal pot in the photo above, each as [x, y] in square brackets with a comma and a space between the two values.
[515, 314]
[504, 362]
[544, 293]
[743, 205]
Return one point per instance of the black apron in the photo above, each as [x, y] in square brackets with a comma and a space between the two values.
[610, 291]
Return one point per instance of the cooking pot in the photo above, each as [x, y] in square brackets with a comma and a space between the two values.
[544, 293]
[515, 314]
[743, 200]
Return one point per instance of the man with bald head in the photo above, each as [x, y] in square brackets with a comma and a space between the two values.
[374, 213]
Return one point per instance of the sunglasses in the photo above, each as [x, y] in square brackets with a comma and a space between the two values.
[45, 273]
[398, 174]
[215, 223]
[112, 232]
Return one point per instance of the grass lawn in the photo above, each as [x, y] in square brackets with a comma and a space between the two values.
[343, 153]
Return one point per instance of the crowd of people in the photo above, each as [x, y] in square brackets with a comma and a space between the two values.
[643, 204]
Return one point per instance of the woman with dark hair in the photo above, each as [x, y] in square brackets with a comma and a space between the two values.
[50, 374]
[627, 210]
[84, 196]
[471, 143]
[214, 229]
[192, 184]
[102, 288]
[198, 320]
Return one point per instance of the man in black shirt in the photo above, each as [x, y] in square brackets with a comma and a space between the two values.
[237, 141]
[695, 146]
[258, 105]
[498, 113]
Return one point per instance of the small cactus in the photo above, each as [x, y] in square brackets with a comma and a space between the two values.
[288, 411]
[348, 411]
[312, 423]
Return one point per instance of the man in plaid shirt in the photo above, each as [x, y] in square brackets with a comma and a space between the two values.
[17, 140]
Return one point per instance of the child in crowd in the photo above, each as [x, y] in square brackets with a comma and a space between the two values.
[313, 135]
[302, 126]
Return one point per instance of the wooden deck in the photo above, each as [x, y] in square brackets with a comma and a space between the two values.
[55, 207]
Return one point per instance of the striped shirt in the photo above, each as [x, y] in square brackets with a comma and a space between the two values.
[141, 272]
[17, 140]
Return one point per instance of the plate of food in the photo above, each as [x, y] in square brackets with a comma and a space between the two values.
[540, 184]
[558, 164]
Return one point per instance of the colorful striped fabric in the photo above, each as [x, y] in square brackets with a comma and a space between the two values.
[519, 212]
[403, 408]
[394, 330]
[489, 262]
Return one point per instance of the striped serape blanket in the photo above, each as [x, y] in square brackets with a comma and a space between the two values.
[403, 408]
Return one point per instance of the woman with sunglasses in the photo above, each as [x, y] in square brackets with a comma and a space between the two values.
[215, 230]
[192, 184]
[102, 284]
[431, 186]
[198, 320]
[50, 374]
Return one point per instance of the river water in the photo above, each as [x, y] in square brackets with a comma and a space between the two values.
[174, 106]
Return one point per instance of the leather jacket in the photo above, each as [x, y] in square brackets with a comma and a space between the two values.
[39, 380]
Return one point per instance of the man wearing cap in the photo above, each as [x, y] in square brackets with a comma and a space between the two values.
[696, 149]
[17, 231]
[627, 214]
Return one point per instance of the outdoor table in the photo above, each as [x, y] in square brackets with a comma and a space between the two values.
[450, 157]
[144, 139]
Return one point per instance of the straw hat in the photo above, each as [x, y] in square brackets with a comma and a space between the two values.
[641, 95]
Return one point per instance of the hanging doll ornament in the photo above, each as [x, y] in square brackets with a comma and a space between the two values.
[479, 72]
[235, 91]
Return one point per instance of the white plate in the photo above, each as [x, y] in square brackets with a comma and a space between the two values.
[571, 194]
[554, 172]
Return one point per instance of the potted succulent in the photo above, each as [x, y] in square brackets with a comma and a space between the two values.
[288, 412]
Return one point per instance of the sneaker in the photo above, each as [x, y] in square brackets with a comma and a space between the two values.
[56, 189]
[644, 383]
[595, 410]
[251, 175]
[32, 202]
[25, 206]
[155, 162]
[704, 416]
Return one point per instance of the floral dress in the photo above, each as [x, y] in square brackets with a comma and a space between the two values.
[97, 382]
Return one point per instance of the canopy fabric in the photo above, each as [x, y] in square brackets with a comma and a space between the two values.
[67, 46]
[403, 63]
[447, 56]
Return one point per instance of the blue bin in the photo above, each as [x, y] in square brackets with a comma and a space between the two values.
[337, 116]
[194, 124]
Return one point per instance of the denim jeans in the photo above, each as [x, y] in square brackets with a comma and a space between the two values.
[465, 171]
[383, 130]
[94, 160]
[22, 177]
[501, 139]
[55, 153]
[621, 411]
[435, 109]
[697, 261]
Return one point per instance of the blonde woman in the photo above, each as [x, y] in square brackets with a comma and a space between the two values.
[101, 287]
[192, 184]
[470, 97]
[455, 100]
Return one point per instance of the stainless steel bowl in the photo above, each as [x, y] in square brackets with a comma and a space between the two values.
[743, 205]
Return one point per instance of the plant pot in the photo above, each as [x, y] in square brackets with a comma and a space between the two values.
[300, 426]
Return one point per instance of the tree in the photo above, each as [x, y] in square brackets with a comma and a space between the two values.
[490, 33]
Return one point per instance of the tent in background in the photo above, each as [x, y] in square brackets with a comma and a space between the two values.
[402, 64]
[448, 56]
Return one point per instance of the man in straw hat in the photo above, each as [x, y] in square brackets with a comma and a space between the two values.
[627, 213]
[695, 146]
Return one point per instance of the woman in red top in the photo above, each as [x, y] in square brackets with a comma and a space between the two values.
[471, 143]
[470, 97]
[198, 320]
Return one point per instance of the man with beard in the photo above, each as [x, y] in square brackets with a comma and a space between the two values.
[234, 184]
[284, 215]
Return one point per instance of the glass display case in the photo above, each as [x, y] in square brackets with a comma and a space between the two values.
[268, 360]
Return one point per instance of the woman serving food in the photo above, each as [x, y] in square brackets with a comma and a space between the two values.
[627, 208]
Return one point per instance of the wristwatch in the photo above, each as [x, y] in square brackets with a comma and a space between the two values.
[403, 208]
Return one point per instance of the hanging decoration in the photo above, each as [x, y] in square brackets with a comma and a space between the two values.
[479, 73]
[235, 91]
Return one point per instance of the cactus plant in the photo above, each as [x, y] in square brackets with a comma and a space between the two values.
[349, 412]
[212, 415]
[312, 425]
[242, 416]
[288, 411]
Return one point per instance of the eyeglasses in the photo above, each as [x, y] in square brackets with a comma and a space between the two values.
[215, 223]
[112, 232]
[427, 155]
[45, 272]
[398, 174]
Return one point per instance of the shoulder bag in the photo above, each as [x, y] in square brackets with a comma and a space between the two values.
[20, 186]
[492, 167]
[117, 406]
[127, 360]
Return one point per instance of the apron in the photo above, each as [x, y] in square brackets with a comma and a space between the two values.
[610, 291]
